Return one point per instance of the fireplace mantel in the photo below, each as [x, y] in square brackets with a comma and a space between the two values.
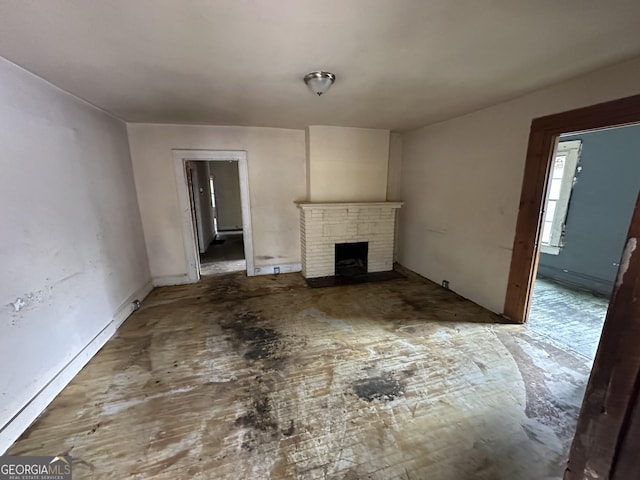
[323, 225]
[317, 205]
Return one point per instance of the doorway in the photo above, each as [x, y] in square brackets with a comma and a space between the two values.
[215, 208]
[591, 193]
[609, 423]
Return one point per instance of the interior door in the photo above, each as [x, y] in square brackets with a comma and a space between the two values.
[194, 217]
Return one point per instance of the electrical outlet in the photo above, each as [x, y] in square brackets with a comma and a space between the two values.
[445, 284]
[276, 270]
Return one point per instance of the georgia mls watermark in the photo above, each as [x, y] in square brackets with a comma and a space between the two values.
[35, 468]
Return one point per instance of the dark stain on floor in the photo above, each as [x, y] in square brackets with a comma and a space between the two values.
[258, 342]
[259, 418]
[444, 305]
[383, 387]
[289, 431]
[262, 342]
[315, 395]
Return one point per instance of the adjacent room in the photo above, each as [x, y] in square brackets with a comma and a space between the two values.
[216, 209]
[590, 200]
[368, 239]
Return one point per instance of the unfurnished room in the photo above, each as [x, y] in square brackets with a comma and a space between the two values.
[357, 239]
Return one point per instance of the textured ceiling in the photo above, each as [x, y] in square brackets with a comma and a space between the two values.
[399, 63]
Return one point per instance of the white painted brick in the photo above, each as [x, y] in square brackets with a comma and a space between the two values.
[334, 229]
[321, 229]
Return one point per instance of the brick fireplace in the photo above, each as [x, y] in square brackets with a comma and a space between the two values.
[325, 225]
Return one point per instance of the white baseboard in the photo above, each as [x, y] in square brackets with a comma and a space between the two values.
[12, 430]
[168, 280]
[271, 269]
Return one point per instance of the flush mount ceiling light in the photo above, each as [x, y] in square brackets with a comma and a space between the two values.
[319, 82]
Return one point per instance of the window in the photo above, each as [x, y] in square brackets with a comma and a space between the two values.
[561, 180]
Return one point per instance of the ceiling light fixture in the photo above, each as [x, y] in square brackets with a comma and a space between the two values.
[319, 82]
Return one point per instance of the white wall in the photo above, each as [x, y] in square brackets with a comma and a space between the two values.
[347, 164]
[461, 181]
[276, 163]
[394, 174]
[227, 192]
[72, 252]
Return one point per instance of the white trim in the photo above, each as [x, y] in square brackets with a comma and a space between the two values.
[12, 430]
[168, 280]
[284, 268]
[550, 250]
[245, 200]
[192, 256]
[197, 205]
[191, 250]
[571, 151]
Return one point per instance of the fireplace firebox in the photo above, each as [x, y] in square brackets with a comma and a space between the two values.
[351, 258]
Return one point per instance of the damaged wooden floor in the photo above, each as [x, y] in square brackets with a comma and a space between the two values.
[258, 378]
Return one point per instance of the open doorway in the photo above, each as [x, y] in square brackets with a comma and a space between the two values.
[214, 200]
[592, 188]
[217, 214]
[607, 435]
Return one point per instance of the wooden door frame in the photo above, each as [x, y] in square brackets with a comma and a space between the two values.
[608, 430]
[542, 138]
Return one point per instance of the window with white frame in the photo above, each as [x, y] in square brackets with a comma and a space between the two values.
[561, 181]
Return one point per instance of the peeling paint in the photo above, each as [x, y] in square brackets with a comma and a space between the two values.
[626, 258]
[18, 305]
[30, 299]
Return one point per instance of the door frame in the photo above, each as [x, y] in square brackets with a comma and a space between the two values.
[196, 208]
[542, 139]
[191, 250]
[609, 418]
[188, 168]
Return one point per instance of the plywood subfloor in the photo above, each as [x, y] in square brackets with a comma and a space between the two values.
[264, 377]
